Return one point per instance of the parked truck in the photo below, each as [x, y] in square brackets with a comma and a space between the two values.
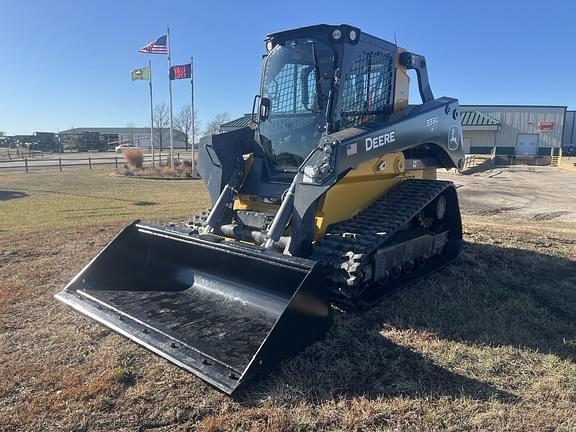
[83, 141]
[46, 142]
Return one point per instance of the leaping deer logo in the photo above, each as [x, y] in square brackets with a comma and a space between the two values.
[453, 138]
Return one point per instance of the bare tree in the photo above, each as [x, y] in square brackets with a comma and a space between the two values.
[213, 126]
[183, 122]
[161, 121]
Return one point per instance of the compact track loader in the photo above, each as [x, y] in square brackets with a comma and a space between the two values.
[328, 200]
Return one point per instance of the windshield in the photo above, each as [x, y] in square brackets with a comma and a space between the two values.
[297, 80]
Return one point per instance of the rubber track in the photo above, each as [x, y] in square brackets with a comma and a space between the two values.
[369, 230]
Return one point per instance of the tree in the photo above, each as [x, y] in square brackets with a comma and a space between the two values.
[161, 122]
[213, 126]
[183, 122]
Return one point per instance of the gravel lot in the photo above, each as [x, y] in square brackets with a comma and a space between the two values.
[518, 192]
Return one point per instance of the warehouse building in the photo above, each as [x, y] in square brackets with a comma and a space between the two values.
[514, 133]
[569, 137]
[140, 137]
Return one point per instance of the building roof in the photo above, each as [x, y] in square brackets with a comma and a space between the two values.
[118, 130]
[463, 107]
[240, 122]
[476, 118]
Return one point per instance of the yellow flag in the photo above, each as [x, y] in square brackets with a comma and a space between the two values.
[141, 74]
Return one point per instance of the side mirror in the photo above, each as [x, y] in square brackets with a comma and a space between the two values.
[264, 111]
[252, 117]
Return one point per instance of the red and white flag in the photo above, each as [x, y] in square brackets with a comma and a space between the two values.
[156, 47]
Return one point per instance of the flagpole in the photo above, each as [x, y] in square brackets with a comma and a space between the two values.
[170, 99]
[192, 114]
[151, 115]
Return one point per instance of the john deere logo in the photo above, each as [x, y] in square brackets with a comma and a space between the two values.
[454, 138]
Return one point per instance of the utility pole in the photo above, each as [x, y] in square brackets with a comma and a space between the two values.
[170, 99]
[192, 115]
[151, 115]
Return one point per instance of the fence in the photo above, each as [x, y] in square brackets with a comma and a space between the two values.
[30, 164]
[10, 154]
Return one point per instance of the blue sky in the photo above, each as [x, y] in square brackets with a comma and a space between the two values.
[67, 63]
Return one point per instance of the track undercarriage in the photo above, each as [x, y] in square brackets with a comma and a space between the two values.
[409, 232]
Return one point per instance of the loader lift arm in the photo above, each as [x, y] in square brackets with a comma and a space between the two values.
[331, 161]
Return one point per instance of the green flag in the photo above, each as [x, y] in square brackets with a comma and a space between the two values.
[141, 74]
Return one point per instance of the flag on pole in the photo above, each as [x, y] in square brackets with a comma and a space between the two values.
[156, 47]
[141, 74]
[181, 71]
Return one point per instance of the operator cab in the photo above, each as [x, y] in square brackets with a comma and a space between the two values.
[318, 80]
[297, 78]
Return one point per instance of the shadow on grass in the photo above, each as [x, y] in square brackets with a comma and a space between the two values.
[356, 360]
[8, 195]
[490, 295]
[108, 198]
[496, 296]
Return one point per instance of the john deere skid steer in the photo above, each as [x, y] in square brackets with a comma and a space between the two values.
[329, 199]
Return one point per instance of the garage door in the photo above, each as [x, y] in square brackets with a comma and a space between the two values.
[527, 145]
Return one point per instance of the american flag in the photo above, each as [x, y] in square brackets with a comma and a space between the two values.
[351, 149]
[156, 47]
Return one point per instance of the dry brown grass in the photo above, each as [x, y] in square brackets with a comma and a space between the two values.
[181, 170]
[487, 344]
[134, 157]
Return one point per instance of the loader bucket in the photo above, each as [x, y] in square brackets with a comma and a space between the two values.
[223, 311]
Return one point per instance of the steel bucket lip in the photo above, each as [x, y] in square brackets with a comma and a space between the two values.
[215, 372]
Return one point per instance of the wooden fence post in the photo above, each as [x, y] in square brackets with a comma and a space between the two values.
[116, 161]
[89, 162]
[60, 163]
[26, 164]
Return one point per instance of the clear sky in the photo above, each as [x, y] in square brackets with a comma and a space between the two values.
[67, 63]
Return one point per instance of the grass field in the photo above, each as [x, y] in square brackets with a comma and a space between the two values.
[488, 343]
[53, 199]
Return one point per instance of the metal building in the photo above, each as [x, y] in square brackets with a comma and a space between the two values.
[140, 137]
[513, 132]
[569, 137]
